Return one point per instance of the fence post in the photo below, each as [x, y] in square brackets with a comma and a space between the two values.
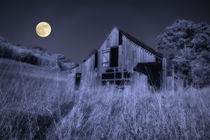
[173, 83]
[164, 67]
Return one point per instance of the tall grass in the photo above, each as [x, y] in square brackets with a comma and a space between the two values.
[109, 113]
[30, 100]
[48, 107]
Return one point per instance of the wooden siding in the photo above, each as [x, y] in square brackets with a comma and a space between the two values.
[130, 54]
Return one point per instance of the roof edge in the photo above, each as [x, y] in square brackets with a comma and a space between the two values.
[137, 42]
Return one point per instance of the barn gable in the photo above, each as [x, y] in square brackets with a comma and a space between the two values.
[116, 59]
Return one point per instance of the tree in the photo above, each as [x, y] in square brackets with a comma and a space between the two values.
[187, 44]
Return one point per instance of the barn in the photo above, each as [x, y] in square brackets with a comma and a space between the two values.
[120, 60]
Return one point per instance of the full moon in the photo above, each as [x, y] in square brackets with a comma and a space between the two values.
[43, 29]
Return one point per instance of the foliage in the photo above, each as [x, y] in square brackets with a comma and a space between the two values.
[188, 45]
[35, 56]
[46, 106]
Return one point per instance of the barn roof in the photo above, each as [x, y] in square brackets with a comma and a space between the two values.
[133, 39]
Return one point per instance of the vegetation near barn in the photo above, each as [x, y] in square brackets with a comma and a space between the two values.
[187, 44]
[47, 107]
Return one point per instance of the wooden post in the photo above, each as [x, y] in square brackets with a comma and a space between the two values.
[173, 83]
[164, 76]
[114, 75]
[100, 66]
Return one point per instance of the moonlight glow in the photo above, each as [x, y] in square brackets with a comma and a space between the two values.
[43, 29]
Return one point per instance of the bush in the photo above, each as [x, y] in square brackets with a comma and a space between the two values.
[35, 56]
[187, 45]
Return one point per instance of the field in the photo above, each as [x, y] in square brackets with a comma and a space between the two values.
[42, 104]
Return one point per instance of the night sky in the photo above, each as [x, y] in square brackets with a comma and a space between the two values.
[80, 26]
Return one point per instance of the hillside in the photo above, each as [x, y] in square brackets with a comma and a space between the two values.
[31, 98]
[18, 79]
[35, 56]
[36, 103]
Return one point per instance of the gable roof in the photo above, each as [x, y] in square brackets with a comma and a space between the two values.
[137, 42]
[131, 38]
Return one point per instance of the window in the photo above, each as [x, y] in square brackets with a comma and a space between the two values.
[96, 60]
[120, 38]
[114, 57]
[110, 57]
[77, 80]
[106, 57]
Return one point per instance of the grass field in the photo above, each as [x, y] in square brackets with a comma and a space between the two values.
[40, 104]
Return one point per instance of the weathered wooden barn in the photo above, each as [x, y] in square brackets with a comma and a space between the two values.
[121, 60]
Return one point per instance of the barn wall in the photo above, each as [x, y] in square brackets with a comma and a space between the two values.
[111, 41]
[131, 54]
[86, 68]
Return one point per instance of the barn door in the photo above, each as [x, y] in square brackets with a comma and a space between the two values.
[114, 57]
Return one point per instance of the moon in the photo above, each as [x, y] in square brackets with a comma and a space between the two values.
[43, 29]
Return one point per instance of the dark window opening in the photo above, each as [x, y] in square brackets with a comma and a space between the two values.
[77, 80]
[114, 57]
[118, 75]
[127, 74]
[120, 39]
[108, 76]
[96, 60]
[110, 70]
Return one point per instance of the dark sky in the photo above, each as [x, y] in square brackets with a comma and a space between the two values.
[80, 26]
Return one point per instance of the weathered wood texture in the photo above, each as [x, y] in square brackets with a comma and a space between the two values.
[130, 54]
